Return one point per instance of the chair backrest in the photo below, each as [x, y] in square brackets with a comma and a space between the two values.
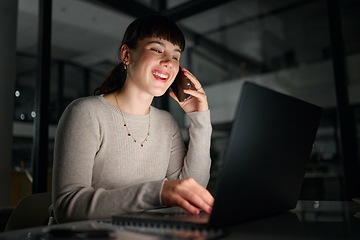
[31, 211]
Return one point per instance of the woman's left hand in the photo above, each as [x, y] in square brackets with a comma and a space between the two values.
[197, 101]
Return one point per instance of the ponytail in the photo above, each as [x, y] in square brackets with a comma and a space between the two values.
[114, 81]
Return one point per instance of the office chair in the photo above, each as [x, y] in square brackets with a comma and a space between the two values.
[31, 211]
[5, 213]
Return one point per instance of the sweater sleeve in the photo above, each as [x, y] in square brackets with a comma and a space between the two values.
[196, 163]
[77, 141]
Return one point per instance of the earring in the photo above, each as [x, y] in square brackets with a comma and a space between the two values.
[125, 66]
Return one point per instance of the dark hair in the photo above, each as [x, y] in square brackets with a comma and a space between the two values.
[149, 26]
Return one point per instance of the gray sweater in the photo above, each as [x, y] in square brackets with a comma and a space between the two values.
[100, 171]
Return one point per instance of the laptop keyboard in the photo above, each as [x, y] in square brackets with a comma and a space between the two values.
[170, 232]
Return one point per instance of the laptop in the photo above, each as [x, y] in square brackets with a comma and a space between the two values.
[263, 165]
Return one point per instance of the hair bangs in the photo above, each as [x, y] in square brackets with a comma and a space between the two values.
[155, 26]
[169, 32]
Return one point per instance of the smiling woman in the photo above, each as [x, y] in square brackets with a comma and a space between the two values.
[116, 153]
[152, 59]
[157, 27]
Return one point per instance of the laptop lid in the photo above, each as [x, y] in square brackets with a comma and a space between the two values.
[266, 157]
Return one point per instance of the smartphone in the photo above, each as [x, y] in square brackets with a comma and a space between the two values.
[180, 83]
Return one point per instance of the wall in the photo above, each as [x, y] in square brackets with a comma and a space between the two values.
[313, 83]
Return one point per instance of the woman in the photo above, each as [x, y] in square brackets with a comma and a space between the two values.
[116, 153]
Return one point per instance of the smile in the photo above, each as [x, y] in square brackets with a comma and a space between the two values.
[161, 76]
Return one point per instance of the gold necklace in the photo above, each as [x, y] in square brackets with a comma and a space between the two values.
[126, 126]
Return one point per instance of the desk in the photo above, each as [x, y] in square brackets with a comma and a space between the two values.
[309, 220]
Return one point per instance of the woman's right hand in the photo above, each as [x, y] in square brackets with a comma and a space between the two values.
[187, 194]
[197, 101]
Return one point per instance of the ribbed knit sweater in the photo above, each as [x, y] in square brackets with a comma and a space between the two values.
[99, 171]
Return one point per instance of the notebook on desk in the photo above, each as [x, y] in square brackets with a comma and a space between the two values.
[263, 166]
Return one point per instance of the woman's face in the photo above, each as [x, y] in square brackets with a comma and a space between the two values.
[152, 65]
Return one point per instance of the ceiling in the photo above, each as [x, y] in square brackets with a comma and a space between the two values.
[225, 39]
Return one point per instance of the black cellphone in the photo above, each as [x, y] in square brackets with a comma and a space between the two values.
[180, 83]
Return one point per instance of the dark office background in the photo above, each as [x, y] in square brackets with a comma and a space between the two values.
[307, 49]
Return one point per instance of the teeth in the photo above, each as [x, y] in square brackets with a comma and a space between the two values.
[160, 75]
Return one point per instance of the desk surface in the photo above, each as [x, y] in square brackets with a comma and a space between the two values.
[309, 220]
